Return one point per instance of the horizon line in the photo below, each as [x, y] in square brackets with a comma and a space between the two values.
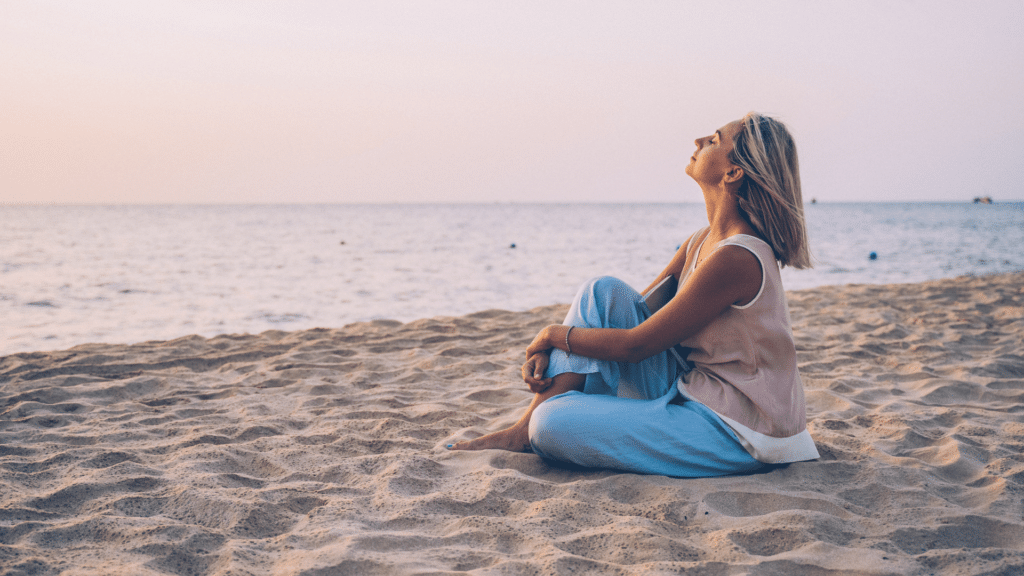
[469, 203]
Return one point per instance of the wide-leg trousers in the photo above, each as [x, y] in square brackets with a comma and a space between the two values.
[630, 416]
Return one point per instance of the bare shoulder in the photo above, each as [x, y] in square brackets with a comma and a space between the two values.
[736, 271]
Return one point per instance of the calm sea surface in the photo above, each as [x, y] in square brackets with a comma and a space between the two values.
[76, 274]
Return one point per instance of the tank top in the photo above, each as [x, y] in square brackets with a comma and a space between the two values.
[744, 365]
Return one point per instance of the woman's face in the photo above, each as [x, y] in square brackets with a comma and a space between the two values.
[710, 163]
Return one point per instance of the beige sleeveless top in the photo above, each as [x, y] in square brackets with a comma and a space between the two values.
[745, 366]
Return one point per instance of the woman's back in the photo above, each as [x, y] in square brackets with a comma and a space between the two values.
[745, 366]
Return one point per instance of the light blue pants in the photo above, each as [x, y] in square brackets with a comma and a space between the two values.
[630, 416]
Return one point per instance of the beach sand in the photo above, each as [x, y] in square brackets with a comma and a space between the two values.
[322, 452]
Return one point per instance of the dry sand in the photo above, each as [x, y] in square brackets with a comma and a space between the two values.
[321, 452]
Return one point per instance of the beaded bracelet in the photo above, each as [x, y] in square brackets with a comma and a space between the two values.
[568, 349]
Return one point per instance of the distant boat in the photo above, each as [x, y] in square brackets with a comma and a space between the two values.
[982, 199]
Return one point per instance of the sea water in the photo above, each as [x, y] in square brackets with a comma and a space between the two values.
[76, 274]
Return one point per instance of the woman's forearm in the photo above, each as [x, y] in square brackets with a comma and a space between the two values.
[729, 276]
[618, 345]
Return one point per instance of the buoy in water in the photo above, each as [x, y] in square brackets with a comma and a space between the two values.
[872, 256]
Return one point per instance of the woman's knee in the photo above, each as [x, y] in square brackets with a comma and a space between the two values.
[601, 291]
[602, 285]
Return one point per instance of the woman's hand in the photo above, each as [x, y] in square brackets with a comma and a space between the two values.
[533, 372]
[542, 341]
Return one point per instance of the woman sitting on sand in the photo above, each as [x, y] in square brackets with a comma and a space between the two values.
[610, 392]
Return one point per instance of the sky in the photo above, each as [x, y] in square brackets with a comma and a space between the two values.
[232, 101]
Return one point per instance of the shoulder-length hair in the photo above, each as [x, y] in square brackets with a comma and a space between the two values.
[769, 195]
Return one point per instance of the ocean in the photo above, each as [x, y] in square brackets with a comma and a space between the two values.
[124, 274]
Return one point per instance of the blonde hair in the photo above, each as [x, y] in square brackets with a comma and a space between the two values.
[769, 195]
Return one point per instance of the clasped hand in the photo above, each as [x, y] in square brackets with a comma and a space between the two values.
[538, 353]
[533, 372]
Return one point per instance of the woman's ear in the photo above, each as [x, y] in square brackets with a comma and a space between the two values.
[735, 174]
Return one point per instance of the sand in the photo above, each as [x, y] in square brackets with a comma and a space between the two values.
[322, 452]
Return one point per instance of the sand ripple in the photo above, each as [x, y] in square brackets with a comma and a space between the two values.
[321, 452]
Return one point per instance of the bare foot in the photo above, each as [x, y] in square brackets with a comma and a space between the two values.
[514, 439]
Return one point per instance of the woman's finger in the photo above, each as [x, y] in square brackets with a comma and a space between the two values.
[539, 344]
[538, 386]
[533, 373]
[540, 364]
[529, 372]
[533, 349]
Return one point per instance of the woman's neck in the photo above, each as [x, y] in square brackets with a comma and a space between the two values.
[724, 216]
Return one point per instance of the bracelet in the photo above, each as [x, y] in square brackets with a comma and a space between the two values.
[568, 349]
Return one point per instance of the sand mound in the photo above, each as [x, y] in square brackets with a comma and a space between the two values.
[321, 452]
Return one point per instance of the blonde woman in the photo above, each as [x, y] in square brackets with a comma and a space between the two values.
[610, 392]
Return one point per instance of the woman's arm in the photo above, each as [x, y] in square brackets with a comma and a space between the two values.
[728, 276]
[536, 363]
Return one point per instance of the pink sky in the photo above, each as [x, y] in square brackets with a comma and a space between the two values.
[237, 102]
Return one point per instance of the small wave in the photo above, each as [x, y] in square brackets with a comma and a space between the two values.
[278, 318]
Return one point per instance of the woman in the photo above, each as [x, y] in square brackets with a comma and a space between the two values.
[610, 394]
